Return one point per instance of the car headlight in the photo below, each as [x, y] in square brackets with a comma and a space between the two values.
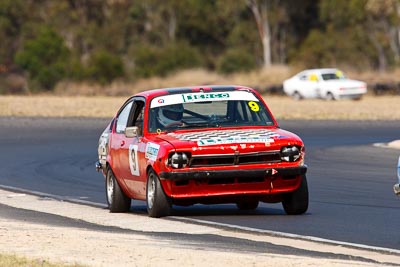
[290, 153]
[178, 160]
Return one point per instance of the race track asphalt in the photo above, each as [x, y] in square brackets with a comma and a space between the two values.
[350, 180]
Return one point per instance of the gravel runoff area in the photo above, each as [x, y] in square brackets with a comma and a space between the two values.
[58, 231]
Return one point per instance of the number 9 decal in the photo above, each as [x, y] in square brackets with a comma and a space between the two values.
[254, 106]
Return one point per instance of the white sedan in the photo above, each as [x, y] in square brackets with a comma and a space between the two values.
[330, 84]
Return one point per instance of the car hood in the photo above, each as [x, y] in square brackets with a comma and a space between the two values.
[224, 141]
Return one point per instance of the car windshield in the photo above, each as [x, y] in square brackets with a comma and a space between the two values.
[207, 110]
[338, 75]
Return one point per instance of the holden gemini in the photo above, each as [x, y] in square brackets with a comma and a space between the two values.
[204, 144]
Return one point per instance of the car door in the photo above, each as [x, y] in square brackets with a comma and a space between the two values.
[309, 86]
[118, 143]
[132, 150]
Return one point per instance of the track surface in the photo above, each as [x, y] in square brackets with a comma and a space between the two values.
[350, 181]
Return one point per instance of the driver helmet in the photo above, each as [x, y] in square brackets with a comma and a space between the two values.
[170, 114]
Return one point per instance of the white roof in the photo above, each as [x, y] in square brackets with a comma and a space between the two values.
[323, 70]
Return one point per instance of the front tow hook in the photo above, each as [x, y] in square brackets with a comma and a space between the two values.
[98, 166]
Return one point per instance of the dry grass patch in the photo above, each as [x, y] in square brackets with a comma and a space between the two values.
[263, 78]
[60, 106]
[12, 261]
[369, 108]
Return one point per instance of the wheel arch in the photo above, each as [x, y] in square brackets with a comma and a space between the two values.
[117, 199]
[297, 95]
[120, 182]
[165, 184]
[330, 95]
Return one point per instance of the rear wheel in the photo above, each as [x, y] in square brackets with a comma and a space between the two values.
[329, 96]
[116, 198]
[296, 202]
[158, 204]
[296, 96]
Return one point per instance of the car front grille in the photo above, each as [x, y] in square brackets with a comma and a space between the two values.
[235, 159]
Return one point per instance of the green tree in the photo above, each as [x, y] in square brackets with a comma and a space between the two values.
[157, 37]
[359, 30]
[105, 67]
[13, 13]
[380, 17]
[45, 58]
[235, 60]
[151, 60]
[207, 25]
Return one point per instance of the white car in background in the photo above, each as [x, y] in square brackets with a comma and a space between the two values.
[330, 84]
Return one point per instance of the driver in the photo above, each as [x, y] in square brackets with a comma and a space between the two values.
[168, 115]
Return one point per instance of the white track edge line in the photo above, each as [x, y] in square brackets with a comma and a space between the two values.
[243, 228]
[56, 197]
[293, 236]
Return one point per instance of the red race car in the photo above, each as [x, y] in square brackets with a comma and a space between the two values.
[206, 144]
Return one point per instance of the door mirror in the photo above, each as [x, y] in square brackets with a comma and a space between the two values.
[131, 132]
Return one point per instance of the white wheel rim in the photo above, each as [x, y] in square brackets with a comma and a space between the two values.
[151, 192]
[110, 189]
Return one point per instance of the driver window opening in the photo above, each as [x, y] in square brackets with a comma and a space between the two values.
[123, 118]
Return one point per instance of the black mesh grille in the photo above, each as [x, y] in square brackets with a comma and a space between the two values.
[242, 159]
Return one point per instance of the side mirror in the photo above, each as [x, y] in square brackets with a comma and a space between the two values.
[131, 132]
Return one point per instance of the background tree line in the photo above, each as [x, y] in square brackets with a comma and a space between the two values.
[102, 40]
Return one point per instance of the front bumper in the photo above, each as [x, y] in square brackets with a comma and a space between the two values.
[396, 189]
[220, 174]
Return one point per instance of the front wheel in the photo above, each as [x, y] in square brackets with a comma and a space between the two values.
[296, 202]
[116, 198]
[158, 204]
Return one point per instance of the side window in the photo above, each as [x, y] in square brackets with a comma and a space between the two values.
[137, 116]
[122, 119]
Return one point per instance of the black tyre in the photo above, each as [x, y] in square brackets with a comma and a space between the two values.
[158, 204]
[296, 203]
[296, 96]
[247, 205]
[116, 198]
[329, 97]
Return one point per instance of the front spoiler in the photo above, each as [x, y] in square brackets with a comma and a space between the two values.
[396, 189]
[210, 174]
